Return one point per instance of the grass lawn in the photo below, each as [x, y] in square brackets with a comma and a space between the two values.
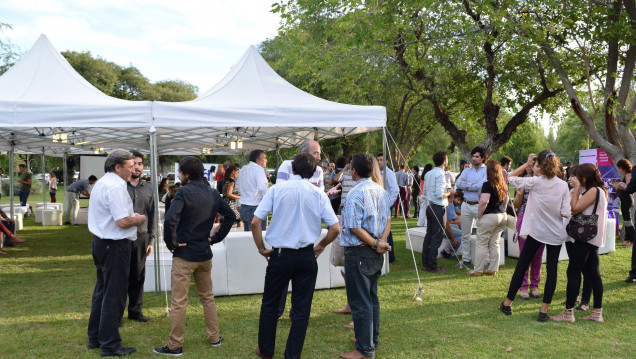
[47, 283]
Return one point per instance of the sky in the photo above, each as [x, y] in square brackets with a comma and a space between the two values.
[196, 41]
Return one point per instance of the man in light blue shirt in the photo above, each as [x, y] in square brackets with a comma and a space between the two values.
[366, 223]
[298, 207]
[436, 190]
[392, 188]
[470, 181]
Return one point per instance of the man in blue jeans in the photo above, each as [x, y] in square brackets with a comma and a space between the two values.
[26, 180]
[252, 184]
[366, 223]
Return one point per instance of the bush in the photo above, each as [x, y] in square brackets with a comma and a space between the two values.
[36, 187]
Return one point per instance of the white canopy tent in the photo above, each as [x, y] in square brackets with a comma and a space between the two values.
[47, 108]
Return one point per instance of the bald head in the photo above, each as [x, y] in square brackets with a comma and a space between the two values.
[312, 147]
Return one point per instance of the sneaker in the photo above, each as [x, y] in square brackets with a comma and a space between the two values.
[167, 351]
[217, 344]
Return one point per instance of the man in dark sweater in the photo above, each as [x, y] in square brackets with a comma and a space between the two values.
[187, 229]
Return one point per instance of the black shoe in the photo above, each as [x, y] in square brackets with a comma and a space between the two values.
[8, 244]
[580, 307]
[92, 345]
[139, 318]
[67, 222]
[446, 254]
[630, 279]
[119, 353]
[543, 317]
[505, 309]
[167, 351]
[217, 344]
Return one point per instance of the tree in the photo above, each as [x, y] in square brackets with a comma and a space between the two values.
[459, 57]
[9, 53]
[594, 40]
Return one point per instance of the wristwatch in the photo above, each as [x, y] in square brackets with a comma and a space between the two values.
[375, 246]
[261, 251]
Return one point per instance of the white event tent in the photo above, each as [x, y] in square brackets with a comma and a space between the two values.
[47, 108]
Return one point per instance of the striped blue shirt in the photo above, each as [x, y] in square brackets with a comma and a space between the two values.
[470, 182]
[365, 206]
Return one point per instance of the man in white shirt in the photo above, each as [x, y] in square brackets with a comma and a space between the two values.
[252, 184]
[285, 170]
[391, 187]
[298, 208]
[113, 223]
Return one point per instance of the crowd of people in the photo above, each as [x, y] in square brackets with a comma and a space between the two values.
[355, 197]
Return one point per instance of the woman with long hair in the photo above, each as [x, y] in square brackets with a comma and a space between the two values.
[53, 187]
[230, 192]
[492, 219]
[520, 202]
[548, 203]
[627, 201]
[588, 194]
[163, 187]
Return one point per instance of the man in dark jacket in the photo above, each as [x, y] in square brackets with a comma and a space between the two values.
[629, 189]
[187, 229]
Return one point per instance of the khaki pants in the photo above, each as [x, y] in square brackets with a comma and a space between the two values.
[489, 229]
[181, 272]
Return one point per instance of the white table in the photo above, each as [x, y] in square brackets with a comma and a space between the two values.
[238, 268]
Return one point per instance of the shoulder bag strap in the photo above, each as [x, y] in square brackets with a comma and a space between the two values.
[596, 202]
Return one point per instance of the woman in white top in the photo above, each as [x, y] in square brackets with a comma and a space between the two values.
[53, 187]
[588, 187]
[548, 203]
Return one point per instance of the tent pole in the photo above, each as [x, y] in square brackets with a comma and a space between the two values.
[43, 180]
[11, 179]
[155, 196]
[276, 155]
[384, 177]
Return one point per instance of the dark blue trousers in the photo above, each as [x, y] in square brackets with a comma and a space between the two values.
[112, 261]
[300, 267]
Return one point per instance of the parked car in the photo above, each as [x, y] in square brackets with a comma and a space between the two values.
[43, 177]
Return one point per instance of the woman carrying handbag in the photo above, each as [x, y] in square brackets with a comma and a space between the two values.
[589, 198]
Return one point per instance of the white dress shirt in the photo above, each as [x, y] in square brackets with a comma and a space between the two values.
[285, 172]
[548, 203]
[252, 184]
[110, 202]
[298, 207]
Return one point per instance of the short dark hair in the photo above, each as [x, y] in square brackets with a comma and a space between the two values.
[116, 157]
[341, 162]
[92, 178]
[381, 154]
[212, 168]
[459, 194]
[255, 155]
[505, 160]
[439, 157]
[22, 165]
[191, 167]
[363, 164]
[416, 168]
[304, 165]
[482, 152]
[137, 154]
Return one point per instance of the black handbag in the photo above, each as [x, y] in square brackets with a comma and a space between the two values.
[584, 227]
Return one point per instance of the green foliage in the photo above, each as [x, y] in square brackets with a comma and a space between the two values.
[127, 82]
[528, 138]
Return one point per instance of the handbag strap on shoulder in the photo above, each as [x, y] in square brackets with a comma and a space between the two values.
[596, 202]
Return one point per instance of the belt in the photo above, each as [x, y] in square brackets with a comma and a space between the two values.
[281, 250]
[113, 240]
[472, 203]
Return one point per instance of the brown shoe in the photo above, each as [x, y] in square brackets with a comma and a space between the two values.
[596, 315]
[354, 354]
[349, 325]
[438, 270]
[258, 353]
[474, 273]
[490, 272]
[566, 316]
[344, 310]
